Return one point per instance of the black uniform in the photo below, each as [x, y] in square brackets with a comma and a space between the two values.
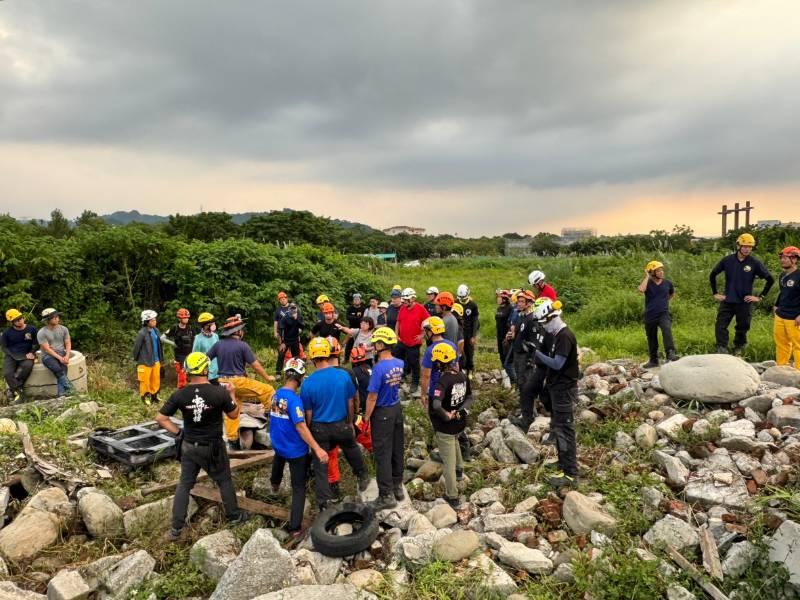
[431, 308]
[530, 377]
[562, 387]
[184, 340]
[323, 329]
[453, 393]
[391, 316]
[202, 447]
[471, 328]
[354, 315]
[290, 330]
[280, 312]
[501, 321]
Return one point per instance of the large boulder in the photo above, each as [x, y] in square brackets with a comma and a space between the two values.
[710, 378]
[583, 515]
[100, 514]
[339, 591]
[261, 567]
[153, 515]
[784, 547]
[213, 553]
[785, 375]
[37, 526]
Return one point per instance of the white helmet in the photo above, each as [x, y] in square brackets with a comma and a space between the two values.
[545, 309]
[535, 277]
[408, 293]
[147, 315]
[295, 365]
[432, 290]
[462, 291]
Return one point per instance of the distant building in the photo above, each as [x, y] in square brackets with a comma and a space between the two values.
[768, 223]
[573, 234]
[521, 247]
[398, 229]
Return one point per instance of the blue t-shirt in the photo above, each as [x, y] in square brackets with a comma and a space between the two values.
[154, 335]
[326, 392]
[232, 356]
[656, 299]
[19, 342]
[286, 412]
[427, 363]
[385, 381]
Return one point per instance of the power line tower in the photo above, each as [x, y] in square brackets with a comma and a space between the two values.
[735, 212]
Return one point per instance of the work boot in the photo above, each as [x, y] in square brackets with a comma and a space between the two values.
[234, 444]
[9, 394]
[522, 422]
[146, 399]
[399, 493]
[561, 480]
[549, 439]
[363, 482]
[384, 502]
[651, 364]
[722, 350]
[459, 474]
[174, 535]
[672, 356]
[453, 502]
[337, 493]
[436, 457]
[19, 397]
[156, 399]
[738, 350]
[242, 517]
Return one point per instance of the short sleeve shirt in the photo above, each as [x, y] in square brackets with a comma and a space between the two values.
[385, 381]
[564, 344]
[452, 390]
[788, 303]
[202, 407]
[409, 324]
[326, 393]
[656, 298]
[286, 412]
[427, 363]
[232, 356]
[56, 338]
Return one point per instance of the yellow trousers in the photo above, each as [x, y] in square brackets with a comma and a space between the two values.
[149, 378]
[787, 341]
[246, 390]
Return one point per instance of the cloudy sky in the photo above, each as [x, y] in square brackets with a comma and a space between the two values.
[460, 116]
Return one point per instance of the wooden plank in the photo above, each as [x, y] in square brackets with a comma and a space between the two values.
[709, 588]
[711, 562]
[236, 463]
[49, 471]
[249, 453]
[248, 504]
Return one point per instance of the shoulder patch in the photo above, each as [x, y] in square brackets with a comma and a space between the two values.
[298, 412]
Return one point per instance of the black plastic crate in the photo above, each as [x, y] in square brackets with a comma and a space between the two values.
[134, 446]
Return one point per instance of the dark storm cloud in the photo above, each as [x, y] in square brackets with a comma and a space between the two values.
[411, 94]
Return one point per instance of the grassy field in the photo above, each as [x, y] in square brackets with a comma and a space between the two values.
[601, 302]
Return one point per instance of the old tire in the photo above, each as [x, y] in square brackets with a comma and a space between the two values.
[365, 530]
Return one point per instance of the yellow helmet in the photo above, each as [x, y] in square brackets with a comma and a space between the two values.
[443, 353]
[397, 287]
[385, 336]
[205, 317]
[322, 298]
[653, 265]
[746, 240]
[435, 324]
[319, 348]
[458, 309]
[196, 363]
[12, 314]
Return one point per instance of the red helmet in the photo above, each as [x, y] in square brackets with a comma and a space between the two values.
[183, 313]
[336, 347]
[445, 299]
[359, 354]
[327, 307]
[791, 251]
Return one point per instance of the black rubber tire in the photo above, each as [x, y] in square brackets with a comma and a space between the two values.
[338, 546]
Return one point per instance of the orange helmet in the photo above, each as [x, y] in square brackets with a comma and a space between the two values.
[183, 313]
[359, 354]
[791, 251]
[282, 295]
[528, 295]
[327, 307]
[336, 347]
[445, 299]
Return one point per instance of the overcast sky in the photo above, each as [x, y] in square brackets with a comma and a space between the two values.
[460, 116]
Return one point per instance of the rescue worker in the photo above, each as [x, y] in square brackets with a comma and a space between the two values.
[18, 343]
[200, 443]
[448, 412]
[472, 327]
[56, 346]
[561, 360]
[502, 326]
[328, 400]
[430, 305]
[528, 337]
[786, 329]
[741, 269]
[354, 314]
[205, 340]
[658, 293]
[233, 355]
[444, 309]
[291, 440]
[334, 475]
[409, 334]
[539, 287]
[327, 326]
[181, 337]
[290, 330]
[321, 299]
[282, 310]
[148, 352]
[434, 329]
[384, 414]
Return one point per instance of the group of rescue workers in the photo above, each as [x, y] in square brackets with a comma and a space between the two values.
[430, 346]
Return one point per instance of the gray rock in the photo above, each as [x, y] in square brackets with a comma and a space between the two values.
[442, 515]
[678, 592]
[418, 550]
[519, 556]
[671, 530]
[622, 441]
[262, 566]
[213, 553]
[784, 547]
[153, 516]
[738, 559]
[710, 378]
[131, 571]
[68, 585]
[785, 375]
[520, 445]
[430, 471]
[456, 546]
[495, 579]
[746, 463]
[486, 496]
[37, 526]
[9, 591]
[742, 444]
[3, 568]
[527, 505]
[506, 524]
[646, 436]
[705, 490]
[500, 450]
[583, 515]
[338, 591]
[677, 473]
[787, 392]
[419, 524]
[785, 416]
[325, 568]
[564, 573]
[760, 403]
[365, 579]
[672, 427]
[740, 428]
[100, 514]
